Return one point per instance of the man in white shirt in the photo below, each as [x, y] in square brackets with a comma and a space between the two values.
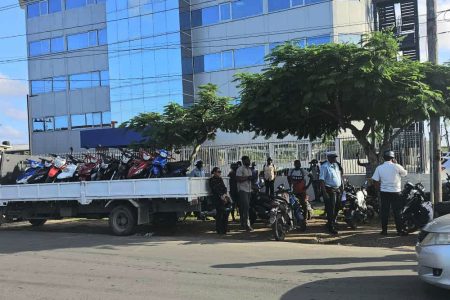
[387, 179]
[244, 179]
[269, 177]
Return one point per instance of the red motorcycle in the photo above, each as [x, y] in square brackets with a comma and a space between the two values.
[88, 170]
[57, 167]
[140, 167]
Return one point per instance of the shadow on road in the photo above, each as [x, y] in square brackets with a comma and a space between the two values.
[368, 288]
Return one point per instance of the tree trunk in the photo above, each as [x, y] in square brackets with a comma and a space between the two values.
[194, 153]
[447, 138]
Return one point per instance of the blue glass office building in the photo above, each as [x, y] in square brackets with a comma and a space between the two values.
[94, 64]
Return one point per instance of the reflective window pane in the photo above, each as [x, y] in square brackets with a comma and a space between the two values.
[199, 64]
[246, 8]
[89, 120]
[102, 37]
[225, 11]
[213, 62]
[227, 59]
[43, 7]
[54, 6]
[97, 119]
[307, 2]
[82, 81]
[298, 2]
[106, 118]
[78, 41]
[349, 38]
[57, 44]
[61, 123]
[249, 56]
[93, 38]
[45, 46]
[104, 78]
[78, 121]
[210, 15]
[35, 48]
[196, 18]
[49, 124]
[38, 125]
[33, 10]
[275, 5]
[59, 83]
[75, 3]
[319, 40]
[41, 86]
[95, 79]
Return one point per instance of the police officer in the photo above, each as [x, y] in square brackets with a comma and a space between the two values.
[331, 184]
[387, 179]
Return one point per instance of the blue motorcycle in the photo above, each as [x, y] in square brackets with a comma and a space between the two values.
[32, 169]
[161, 167]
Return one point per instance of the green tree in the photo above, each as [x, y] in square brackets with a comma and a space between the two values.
[180, 126]
[318, 91]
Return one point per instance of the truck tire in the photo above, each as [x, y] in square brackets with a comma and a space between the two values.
[37, 222]
[122, 220]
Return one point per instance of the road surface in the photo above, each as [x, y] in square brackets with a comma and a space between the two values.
[62, 265]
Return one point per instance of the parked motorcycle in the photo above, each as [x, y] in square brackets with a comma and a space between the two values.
[161, 167]
[126, 161]
[108, 167]
[140, 167]
[372, 200]
[69, 172]
[41, 175]
[87, 170]
[286, 214]
[56, 168]
[354, 205]
[260, 204]
[418, 211]
[32, 169]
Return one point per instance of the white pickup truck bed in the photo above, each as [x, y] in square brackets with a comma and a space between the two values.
[88, 191]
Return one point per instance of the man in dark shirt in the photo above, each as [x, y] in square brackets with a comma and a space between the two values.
[221, 200]
[233, 190]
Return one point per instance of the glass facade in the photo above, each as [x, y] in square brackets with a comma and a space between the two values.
[46, 46]
[147, 49]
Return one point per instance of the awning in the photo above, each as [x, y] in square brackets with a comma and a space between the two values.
[111, 138]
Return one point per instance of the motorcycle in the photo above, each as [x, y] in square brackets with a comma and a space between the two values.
[140, 167]
[260, 203]
[161, 167]
[32, 169]
[69, 171]
[41, 175]
[108, 168]
[354, 205]
[125, 163]
[56, 168]
[372, 201]
[286, 214]
[417, 211]
[87, 171]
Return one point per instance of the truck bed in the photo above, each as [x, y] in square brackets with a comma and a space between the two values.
[85, 192]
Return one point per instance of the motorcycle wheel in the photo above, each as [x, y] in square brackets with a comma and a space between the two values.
[351, 224]
[370, 212]
[49, 180]
[409, 226]
[278, 228]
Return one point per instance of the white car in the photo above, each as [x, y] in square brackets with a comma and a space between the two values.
[433, 252]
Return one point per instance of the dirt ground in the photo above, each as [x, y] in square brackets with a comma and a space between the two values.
[366, 235]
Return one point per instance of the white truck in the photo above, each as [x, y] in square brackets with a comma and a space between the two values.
[127, 203]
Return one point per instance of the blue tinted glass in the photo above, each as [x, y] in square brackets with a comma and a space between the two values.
[147, 25]
[93, 38]
[75, 3]
[80, 81]
[38, 125]
[225, 11]
[37, 87]
[102, 37]
[350, 38]
[104, 76]
[313, 1]
[319, 40]
[43, 7]
[297, 2]
[97, 119]
[246, 8]
[196, 18]
[54, 6]
[57, 44]
[227, 59]
[49, 124]
[122, 30]
[301, 43]
[61, 123]
[95, 79]
[159, 23]
[45, 46]
[33, 10]
[210, 15]
[78, 121]
[134, 27]
[106, 118]
[89, 120]
[275, 5]
[213, 62]
[274, 45]
[173, 21]
[248, 56]
[199, 64]
[35, 48]
[78, 41]
[59, 83]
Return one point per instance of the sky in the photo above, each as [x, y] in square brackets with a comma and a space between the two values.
[13, 93]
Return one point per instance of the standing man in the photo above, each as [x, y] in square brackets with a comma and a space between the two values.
[244, 179]
[314, 174]
[198, 170]
[331, 185]
[387, 179]
[233, 189]
[297, 181]
[269, 177]
[221, 200]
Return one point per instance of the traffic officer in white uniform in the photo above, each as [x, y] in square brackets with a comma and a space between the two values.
[387, 179]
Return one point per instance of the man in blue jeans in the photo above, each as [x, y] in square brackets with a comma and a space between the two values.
[331, 184]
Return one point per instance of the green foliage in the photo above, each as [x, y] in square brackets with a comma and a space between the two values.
[318, 91]
[180, 126]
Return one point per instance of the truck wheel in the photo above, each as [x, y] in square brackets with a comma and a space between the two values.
[37, 222]
[122, 220]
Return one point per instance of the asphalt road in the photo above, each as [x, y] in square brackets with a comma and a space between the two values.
[62, 265]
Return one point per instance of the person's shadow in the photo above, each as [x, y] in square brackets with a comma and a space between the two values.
[368, 288]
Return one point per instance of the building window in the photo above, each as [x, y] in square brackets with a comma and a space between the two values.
[61, 123]
[102, 37]
[318, 40]
[246, 8]
[49, 124]
[38, 125]
[59, 84]
[84, 81]
[41, 86]
[225, 11]
[104, 78]
[246, 57]
[85, 40]
[94, 119]
[349, 38]
[40, 8]
[80, 3]
[39, 47]
[54, 6]
[212, 62]
[57, 44]
[106, 119]
[275, 5]
[78, 121]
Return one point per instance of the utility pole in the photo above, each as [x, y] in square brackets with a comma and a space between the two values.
[435, 124]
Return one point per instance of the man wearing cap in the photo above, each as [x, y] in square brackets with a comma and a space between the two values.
[331, 184]
[387, 179]
[198, 170]
[314, 174]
